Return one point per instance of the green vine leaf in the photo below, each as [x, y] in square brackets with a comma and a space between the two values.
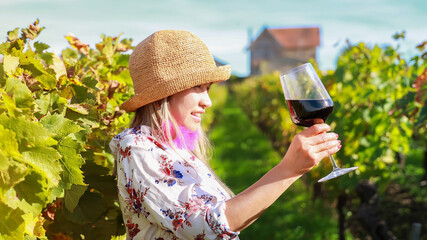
[40, 47]
[73, 195]
[59, 125]
[44, 160]
[8, 147]
[9, 104]
[14, 174]
[13, 35]
[71, 162]
[11, 222]
[22, 96]
[28, 133]
[33, 193]
[10, 63]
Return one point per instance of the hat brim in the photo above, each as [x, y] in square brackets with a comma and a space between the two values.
[218, 74]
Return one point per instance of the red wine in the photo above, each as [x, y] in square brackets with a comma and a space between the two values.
[304, 111]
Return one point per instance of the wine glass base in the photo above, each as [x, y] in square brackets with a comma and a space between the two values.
[336, 173]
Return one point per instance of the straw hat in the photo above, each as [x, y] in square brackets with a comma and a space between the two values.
[168, 62]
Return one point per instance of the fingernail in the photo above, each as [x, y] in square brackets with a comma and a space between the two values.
[339, 146]
[336, 135]
[339, 141]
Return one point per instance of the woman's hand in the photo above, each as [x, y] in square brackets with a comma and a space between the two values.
[308, 148]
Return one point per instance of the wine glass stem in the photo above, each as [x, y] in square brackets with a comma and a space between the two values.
[334, 165]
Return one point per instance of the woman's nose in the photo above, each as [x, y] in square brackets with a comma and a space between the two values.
[205, 101]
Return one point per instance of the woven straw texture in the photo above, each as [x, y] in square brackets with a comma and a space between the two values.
[168, 62]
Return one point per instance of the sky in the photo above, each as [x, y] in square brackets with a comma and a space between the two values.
[224, 25]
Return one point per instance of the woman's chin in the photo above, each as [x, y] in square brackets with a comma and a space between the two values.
[192, 127]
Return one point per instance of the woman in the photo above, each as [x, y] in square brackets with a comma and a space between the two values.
[166, 189]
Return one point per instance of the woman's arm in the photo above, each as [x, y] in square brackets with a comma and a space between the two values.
[307, 149]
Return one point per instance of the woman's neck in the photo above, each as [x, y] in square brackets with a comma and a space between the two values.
[187, 141]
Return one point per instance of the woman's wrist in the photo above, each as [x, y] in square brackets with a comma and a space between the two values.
[286, 171]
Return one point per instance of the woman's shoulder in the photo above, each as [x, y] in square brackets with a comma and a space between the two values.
[133, 137]
[134, 132]
[140, 136]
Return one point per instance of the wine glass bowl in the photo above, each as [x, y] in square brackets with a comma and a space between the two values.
[307, 112]
[306, 96]
[309, 103]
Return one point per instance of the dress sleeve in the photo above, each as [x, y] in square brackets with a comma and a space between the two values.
[169, 194]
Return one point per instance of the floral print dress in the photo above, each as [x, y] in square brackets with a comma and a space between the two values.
[165, 194]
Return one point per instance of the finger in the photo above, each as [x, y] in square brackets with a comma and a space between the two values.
[323, 137]
[326, 146]
[318, 120]
[316, 129]
[325, 153]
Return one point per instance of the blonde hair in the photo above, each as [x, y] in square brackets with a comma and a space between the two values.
[156, 114]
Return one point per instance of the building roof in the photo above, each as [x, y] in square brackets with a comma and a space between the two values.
[296, 37]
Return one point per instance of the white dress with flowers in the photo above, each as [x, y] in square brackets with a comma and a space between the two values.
[165, 194]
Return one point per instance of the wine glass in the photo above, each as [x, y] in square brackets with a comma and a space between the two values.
[309, 103]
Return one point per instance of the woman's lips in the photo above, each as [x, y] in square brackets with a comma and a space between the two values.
[197, 116]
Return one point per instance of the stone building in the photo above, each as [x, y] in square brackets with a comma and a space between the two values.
[282, 48]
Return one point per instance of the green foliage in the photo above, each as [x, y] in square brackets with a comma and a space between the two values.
[57, 116]
[375, 109]
[380, 113]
